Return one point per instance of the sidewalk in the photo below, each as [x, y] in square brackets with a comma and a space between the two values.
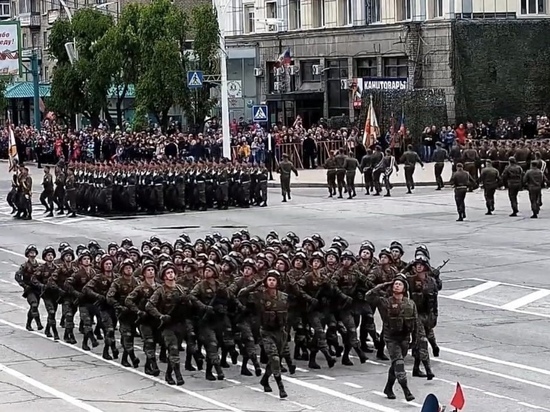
[315, 178]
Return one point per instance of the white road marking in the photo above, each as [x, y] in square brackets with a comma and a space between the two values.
[15, 265]
[325, 377]
[301, 405]
[353, 385]
[496, 395]
[530, 405]
[48, 389]
[302, 370]
[8, 282]
[383, 395]
[475, 290]
[191, 393]
[12, 304]
[233, 381]
[525, 300]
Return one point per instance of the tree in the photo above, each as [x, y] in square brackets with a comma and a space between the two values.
[81, 87]
[205, 56]
[162, 32]
[4, 81]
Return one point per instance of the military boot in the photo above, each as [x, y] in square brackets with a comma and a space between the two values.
[244, 367]
[155, 371]
[72, 337]
[345, 357]
[28, 326]
[282, 392]
[234, 355]
[47, 332]
[219, 372]
[291, 366]
[97, 333]
[362, 357]
[162, 354]
[124, 361]
[168, 375]
[297, 353]
[55, 333]
[263, 355]
[406, 391]
[330, 360]
[93, 339]
[257, 367]
[429, 374]
[177, 372]
[223, 358]
[147, 369]
[115, 351]
[199, 360]
[38, 323]
[188, 365]
[85, 342]
[417, 372]
[380, 351]
[312, 361]
[67, 336]
[265, 383]
[209, 375]
[106, 354]
[133, 358]
[388, 389]
[284, 198]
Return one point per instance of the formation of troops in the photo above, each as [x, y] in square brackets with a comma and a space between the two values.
[492, 165]
[242, 296]
[141, 187]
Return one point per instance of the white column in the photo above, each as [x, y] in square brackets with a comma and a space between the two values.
[223, 71]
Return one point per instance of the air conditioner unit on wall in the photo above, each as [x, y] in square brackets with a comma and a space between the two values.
[317, 69]
[258, 72]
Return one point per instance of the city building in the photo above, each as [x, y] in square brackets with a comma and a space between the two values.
[338, 46]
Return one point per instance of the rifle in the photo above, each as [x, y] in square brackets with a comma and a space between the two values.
[437, 270]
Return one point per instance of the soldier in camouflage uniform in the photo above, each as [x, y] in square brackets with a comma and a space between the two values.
[23, 277]
[50, 291]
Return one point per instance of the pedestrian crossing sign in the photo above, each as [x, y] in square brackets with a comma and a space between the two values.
[195, 79]
[259, 113]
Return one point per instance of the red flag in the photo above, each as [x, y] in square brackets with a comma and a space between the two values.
[458, 398]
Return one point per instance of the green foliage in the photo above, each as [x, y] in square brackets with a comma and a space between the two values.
[4, 81]
[421, 107]
[501, 68]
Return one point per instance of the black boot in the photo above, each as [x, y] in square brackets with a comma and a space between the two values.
[155, 371]
[406, 391]
[257, 367]
[223, 359]
[85, 342]
[345, 358]
[362, 357]
[162, 355]
[219, 372]
[244, 367]
[106, 354]
[312, 361]
[388, 389]
[97, 333]
[55, 333]
[263, 355]
[114, 350]
[93, 339]
[291, 366]
[66, 336]
[209, 375]
[380, 351]
[417, 372]
[234, 355]
[188, 365]
[28, 326]
[282, 392]
[330, 360]
[168, 375]
[147, 369]
[199, 360]
[265, 382]
[72, 337]
[124, 361]
[429, 374]
[297, 353]
[38, 323]
[177, 372]
[133, 359]
[47, 332]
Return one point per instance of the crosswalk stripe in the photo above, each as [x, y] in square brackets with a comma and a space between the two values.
[525, 300]
[472, 291]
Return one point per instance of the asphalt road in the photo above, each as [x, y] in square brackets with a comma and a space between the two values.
[494, 310]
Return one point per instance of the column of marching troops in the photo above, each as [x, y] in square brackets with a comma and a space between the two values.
[129, 188]
[228, 297]
[514, 165]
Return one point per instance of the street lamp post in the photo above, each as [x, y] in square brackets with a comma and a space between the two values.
[226, 137]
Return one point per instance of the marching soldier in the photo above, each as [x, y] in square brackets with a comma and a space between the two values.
[331, 167]
[461, 181]
[534, 180]
[366, 167]
[410, 158]
[512, 177]
[285, 169]
[30, 292]
[490, 181]
[46, 197]
[439, 156]
[351, 165]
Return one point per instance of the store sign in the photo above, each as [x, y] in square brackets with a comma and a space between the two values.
[384, 83]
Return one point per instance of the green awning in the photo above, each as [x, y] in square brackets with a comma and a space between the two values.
[25, 90]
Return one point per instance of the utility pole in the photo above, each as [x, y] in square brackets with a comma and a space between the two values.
[36, 89]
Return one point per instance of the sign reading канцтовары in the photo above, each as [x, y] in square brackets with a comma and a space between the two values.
[10, 50]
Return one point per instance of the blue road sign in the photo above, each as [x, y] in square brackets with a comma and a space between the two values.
[195, 79]
[259, 113]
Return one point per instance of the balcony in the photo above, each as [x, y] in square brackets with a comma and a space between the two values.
[26, 54]
[29, 20]
[53, 15]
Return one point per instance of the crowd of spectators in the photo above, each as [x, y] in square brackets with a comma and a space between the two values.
[250, 142]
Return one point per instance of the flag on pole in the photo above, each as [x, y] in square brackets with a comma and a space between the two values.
[13, 156]
[285, 58]
[458, 398]
[402, 127]
[372, 131]
[41, 105]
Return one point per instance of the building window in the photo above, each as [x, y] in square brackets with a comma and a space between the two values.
[435, 9]
[5, 8]
[367, 67]
[45, 39]
[249, 19]
[46, 74]
[373, 11]
[306, 71]
[344, 12]
[35, 40]
[338, 98]
[404, 10]
[533, 7]
[294, 17]
[24, 40]
[318, 13]
[396, 67]
[271, 9]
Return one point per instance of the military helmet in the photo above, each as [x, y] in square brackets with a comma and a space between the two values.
[236, 236]
[213, 267]
[422, 259]
[339, 239]
[386, 252]
[185, 238]
[148, 264]
[62, 246]
[272, 273]
[283, 257]
[317, 237]
[237, 256]
[293, 237]
[348, 254]
[92, 244]
[67, 251]
[422, 250]
[113, 245]
[249, 262]
[230, 261]
[106, 258]
[80, 248]
[333, 252]
[84, 253]
[126, 262]
[397, 245]
[245, 234]
[189, 262]
[367, 245]
[300, 256]
[155, 239]
[317, 255]
[272, 235]
[47, 250]
[262, 257]
[164, 268]
[403, 279]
